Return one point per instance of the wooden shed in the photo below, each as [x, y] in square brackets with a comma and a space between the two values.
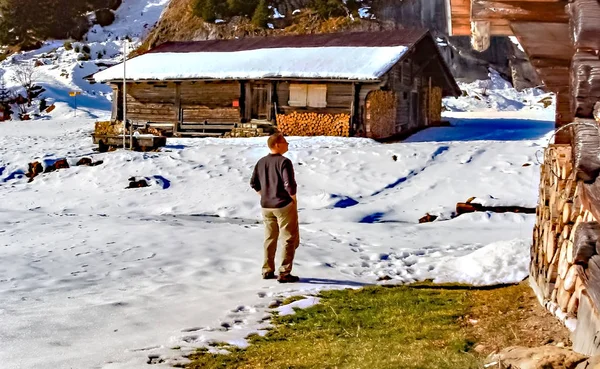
[374, 84]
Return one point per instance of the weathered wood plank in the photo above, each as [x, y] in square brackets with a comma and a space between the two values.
[519, 11]
[197, 126]
[480, 35]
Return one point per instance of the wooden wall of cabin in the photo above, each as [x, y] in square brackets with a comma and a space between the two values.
[172, 102]
[213, 102]
[151, 102]
[408, 96]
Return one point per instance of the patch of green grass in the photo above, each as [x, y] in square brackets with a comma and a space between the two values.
[375, 327]
[291, 299]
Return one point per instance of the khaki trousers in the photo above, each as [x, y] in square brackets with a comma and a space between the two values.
[282, 222]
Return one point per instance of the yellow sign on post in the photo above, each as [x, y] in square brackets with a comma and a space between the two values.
[75, 94]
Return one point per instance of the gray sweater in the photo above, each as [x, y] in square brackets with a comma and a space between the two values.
[273, 176]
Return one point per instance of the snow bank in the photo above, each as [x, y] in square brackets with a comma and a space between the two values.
[497, 95]
[300, 304]
[496, 263]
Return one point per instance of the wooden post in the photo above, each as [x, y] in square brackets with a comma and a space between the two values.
[178, 114]
[480, 35]
[353, 108]
[248, 100]
[242, 101]
[428, 117]
[117, 111]
[270, 101]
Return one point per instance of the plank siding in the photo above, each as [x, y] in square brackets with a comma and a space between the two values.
[151, 102]
[210, 102]
[361, 109]
[217, 115]
[399, 80]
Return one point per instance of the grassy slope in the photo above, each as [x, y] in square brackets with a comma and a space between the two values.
[402, 327]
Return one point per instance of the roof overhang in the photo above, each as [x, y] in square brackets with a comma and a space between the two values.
[482, 19]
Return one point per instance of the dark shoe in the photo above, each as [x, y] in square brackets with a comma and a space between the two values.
[269, 275]
[288, 279]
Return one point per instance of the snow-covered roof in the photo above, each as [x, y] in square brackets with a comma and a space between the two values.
[339, 62]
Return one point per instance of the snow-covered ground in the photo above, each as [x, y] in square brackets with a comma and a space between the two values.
[98, 276]
[93, 275]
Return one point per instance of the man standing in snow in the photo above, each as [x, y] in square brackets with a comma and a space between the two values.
[273, 179]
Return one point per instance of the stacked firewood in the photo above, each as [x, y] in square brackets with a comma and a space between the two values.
[108, 128]
[554, 265]
[314, 124]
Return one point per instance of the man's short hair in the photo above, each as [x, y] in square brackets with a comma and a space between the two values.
[274, 139]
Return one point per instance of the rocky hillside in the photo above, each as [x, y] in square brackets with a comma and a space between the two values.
[183, 21]
[26, 24]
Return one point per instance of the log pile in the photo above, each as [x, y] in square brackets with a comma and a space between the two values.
[585, 82]
[108, 128]
[561, 236]
[314, 124]
[586, 150]
[583, 23]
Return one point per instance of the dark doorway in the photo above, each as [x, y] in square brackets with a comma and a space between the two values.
[259, 107]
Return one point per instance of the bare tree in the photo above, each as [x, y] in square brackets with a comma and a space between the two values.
[20, 101]
[26, 75]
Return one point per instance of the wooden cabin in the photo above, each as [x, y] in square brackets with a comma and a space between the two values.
[374, 84]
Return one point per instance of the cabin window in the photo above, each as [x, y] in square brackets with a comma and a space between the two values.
[314, 96]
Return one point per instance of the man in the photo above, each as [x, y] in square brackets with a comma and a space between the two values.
[273, 179]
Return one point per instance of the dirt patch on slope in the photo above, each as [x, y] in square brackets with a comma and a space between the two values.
[512, 316]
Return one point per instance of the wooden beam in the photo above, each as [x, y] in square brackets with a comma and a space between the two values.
[549, 49]
[480, 35]
[498, 27]
[524, 11]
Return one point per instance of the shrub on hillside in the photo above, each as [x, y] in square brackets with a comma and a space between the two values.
[86, 49]
[207, 9]
[328, 8]
[105, 17]
[114, 4]
[68, 45]
[210, 10]
[241, 7]
[261, 14]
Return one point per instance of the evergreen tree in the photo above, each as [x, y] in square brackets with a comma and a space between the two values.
[261, 14]
[241, 7]
[4, 92]
[328, 8]
[17, 22]
[206, 9]
[5, 97]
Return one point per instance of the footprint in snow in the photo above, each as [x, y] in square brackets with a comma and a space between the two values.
[193, 329]
[189, 339]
